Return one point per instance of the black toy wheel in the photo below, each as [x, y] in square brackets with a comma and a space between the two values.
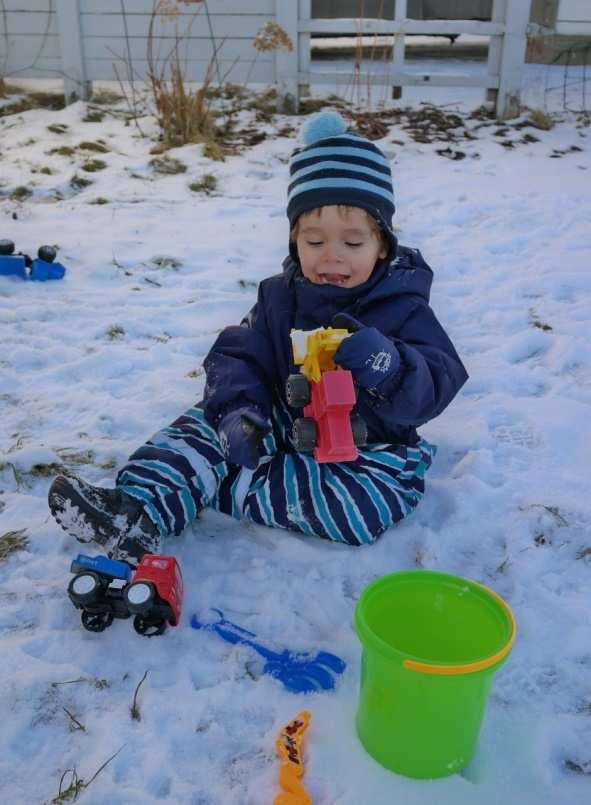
[359, 430]
[85, 588]
[47, 253]
[96, 621]
[303, 434]
[140, 597]
[297, 391]
[149, 627]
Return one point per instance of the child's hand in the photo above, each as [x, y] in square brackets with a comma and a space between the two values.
[370, 356]
[240, 433]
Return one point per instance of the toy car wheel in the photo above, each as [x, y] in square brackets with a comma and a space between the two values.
[47, 254]
[149, 627]
[359, 430]
[85, 588]
[96, 621]
[140, 597]
[303, 434]
[297, 391]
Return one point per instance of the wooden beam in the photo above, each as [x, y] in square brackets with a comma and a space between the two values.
[405, 79]
[402, 26]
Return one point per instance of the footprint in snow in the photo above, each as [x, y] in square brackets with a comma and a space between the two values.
[517, 435]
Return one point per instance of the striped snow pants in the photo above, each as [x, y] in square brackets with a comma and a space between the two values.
[182, 469]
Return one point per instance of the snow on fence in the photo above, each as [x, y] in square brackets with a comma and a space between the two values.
[84, 41]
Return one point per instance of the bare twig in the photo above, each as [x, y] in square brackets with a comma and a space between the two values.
[215, 50]
[72, 791]
[134, 709]
[77, 784]
[100, 684]
[75, 725]
[105, 764]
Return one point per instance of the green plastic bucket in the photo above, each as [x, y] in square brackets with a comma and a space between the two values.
[431, 645]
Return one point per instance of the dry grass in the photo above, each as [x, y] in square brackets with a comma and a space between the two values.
[63, 151]
[21, 193]
[540, 120]
[92, 165]
[98, 147]
[77, 784]
[79, 182]
[206, 184]
[169, 166]
[32, 100]
[11, 542]
[115, 332]
[183, 114]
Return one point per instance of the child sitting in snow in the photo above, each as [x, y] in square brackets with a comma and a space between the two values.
[233, 450]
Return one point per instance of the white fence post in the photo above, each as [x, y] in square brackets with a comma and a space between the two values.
[76, 86]
[398, 49]
[512, 58]
[287, 62]
[495, 48]
[303, 45]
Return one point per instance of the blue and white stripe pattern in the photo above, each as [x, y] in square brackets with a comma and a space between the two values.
[182, 469]
[337, 167]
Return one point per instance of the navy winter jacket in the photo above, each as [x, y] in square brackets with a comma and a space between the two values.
[249, 364]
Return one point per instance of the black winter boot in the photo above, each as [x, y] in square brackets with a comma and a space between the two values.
[108, 517]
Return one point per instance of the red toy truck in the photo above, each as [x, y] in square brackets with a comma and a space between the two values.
[326, 392]
[105, 589]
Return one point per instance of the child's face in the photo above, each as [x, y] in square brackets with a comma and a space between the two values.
[338, 247]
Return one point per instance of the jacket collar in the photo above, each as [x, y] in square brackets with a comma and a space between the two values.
[408, 273]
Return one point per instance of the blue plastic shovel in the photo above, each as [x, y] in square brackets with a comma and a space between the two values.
[299, 672]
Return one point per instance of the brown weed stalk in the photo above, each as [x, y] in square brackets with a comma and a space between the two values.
[183, 114]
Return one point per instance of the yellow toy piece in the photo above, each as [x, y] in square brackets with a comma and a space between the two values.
[314, 349]
[289, 749]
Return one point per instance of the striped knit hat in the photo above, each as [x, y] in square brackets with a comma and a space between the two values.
[336, 167]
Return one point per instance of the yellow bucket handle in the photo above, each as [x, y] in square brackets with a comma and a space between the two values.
[469, 667]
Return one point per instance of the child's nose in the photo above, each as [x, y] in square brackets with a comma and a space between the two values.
[332, 251]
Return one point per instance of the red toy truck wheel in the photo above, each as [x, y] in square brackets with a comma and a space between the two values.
[149, 627]
[304, 434]
[96, 621]
[297, 391]
[85, 588]
[359, 429]
[140, 596]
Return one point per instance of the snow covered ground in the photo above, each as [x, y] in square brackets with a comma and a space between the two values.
[92, 365]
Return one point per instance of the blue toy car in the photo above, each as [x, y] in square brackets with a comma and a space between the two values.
[41, 269]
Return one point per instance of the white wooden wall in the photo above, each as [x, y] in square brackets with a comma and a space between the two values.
[83, 39]
[573, 18]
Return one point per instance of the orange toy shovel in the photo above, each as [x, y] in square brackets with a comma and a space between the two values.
[289, 749]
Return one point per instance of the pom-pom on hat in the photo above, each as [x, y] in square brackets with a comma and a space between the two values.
[334, 166]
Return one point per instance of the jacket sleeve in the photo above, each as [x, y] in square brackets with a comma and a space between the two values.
[429, 377]
[240, 367]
